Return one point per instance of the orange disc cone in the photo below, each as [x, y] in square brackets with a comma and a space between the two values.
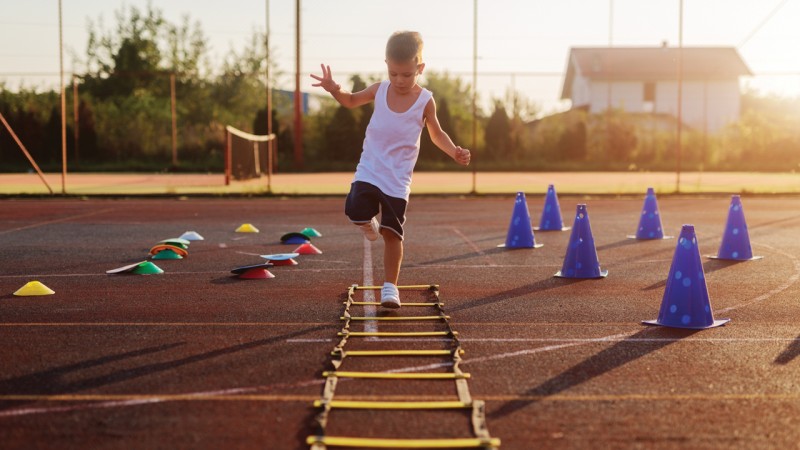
[33, 288]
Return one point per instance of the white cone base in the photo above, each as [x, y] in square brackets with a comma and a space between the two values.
[520, 248]
[717, 323]
[603, 274]
[633, 236]
[731, 259]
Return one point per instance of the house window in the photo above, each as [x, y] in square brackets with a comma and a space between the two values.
[649, 97]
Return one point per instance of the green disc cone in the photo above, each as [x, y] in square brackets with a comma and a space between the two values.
[310, 232]
[147, 268]
[166, 254]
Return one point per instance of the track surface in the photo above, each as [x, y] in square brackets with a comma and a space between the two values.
[196, 359]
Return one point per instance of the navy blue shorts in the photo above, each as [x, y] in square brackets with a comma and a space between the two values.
[365, 201]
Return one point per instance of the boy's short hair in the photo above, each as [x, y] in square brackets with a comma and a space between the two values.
[404, 46]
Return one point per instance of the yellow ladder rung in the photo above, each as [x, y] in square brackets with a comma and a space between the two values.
[407, 287]
[398, 376]
[397, 333]
[354, 404]
[341, 441]
[395, 318]
[398, 352]
[404, 304]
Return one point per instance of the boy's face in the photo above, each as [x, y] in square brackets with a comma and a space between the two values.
[403, 74]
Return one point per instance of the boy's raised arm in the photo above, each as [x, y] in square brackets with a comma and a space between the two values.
[346, 99]
[441, 139]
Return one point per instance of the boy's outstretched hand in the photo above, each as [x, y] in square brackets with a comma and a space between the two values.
[326, 80]
[462, 156]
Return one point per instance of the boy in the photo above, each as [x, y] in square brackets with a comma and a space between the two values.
[391, 147]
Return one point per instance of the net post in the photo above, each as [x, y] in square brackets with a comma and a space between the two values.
[227, 157]
[173, 102]
[256, 159]
[269, 163]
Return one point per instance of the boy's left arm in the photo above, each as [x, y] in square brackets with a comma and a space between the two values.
[440, 138]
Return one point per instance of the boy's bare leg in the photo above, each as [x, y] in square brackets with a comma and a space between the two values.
[392, 256]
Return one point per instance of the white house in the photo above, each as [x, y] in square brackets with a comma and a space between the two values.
[644, 80]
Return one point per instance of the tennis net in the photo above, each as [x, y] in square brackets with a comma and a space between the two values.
[247, 155]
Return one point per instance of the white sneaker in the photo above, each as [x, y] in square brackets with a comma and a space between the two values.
[390, 296]
[371, 229]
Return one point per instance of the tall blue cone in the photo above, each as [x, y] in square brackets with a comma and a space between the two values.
[520, 233]
[650, 221]
[581, 258]
[735, 244]
[551, 214]
[686, 303]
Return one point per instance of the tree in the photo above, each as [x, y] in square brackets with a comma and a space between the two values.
[363, 114]
[572, 144]
[428, 151]
[342, 141]
[458, 96]
[498, 137]
[87, 136]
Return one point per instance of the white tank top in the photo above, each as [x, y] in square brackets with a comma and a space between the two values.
[391, 145]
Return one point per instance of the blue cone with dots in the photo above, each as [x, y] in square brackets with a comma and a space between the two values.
[650, 227]
[551, 214]
[686, 303]
[581, 258]
[520, 233]
[736, 240]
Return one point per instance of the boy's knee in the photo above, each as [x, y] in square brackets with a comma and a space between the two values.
[390, 235]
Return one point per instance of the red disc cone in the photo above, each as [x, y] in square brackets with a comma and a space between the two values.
[308, 249]
[256, 274]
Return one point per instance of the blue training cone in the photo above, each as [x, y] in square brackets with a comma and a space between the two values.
[551, 214]
[650, 227]
[686, 303]
[581, 258]
[520, 233]
[735, 244]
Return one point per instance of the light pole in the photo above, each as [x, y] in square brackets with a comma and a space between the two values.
[680, 99]
[474, 93]
[63, 102]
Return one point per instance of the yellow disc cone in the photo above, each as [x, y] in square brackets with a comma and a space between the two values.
[246, 228]
[34, 288]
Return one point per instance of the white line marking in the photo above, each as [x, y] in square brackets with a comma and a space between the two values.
[562, 340]
[793, 279]
[370, 326]
[474, 247]
[50, 222]
[136, 402]
[84, 406]
[524, 352]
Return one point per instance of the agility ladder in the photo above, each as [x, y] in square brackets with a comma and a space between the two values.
[327, 403]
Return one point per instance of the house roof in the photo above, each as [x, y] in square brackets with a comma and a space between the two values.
[652, 64]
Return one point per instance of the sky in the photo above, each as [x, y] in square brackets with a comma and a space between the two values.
[522, 44]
